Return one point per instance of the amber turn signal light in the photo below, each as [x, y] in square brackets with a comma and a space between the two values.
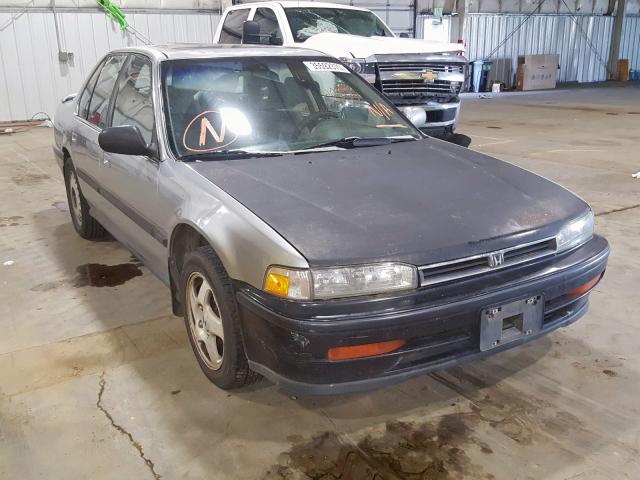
[366, 350]
[576, 292]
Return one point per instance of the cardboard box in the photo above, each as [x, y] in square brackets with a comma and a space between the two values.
[537, 72]
[623, 70]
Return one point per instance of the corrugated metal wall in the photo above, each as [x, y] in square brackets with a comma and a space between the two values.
[31, 77]
[582, 42]
[630, 45]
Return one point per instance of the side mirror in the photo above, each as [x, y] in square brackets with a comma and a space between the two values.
[251, 33]
[404, 35]
[126, 140]
[274, 39]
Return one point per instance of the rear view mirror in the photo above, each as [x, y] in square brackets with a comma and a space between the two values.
[251, 33]
[125, 140]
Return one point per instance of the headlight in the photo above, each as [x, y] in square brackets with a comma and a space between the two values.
[361, 66]
[325, 283]
[575, 232]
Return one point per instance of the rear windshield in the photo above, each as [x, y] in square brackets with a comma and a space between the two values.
[306, 22]
[271, 105]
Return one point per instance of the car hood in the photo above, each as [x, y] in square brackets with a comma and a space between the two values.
[343, 45]
[416, 202]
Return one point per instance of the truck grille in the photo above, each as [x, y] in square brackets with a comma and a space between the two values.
[420, 79]
[478, 264]
[420, 67]
[419, 87]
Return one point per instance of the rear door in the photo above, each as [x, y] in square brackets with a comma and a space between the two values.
[91, 119]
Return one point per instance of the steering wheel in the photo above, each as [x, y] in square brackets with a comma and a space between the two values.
[312, 120]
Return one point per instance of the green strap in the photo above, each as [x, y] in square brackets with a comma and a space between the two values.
[115, 13]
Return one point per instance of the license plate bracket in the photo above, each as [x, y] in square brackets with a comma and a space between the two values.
[512, 321]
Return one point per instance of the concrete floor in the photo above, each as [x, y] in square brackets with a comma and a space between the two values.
[101, 383]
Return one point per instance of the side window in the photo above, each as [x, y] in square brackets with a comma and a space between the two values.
[268, 22]
[134, 103]
[99, 104]
[232, 27]
[85, 96]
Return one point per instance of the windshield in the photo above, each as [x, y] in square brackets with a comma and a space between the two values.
[306, 22]
[266, 105]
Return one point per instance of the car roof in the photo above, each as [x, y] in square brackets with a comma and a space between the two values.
[290, 4]
[193, 50]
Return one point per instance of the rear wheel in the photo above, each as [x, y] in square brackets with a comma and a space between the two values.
[86, 226]
[211, 318]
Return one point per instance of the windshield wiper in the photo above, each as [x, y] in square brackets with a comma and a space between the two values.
[359, 142]
[228, 154]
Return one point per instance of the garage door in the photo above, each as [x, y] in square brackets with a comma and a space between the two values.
[398, 14]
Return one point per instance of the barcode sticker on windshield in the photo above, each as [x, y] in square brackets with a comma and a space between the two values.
[326, 67]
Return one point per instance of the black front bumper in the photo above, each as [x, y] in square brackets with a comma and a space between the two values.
[287, 342]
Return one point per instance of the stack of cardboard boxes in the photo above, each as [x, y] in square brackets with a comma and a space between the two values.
[537, 72]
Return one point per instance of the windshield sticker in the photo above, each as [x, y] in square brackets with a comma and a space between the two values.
[326, 67]
[207, 132]
[381, 110]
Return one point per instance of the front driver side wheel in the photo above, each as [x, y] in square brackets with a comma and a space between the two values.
[212, 321]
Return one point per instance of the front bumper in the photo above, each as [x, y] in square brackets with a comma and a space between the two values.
[437, 119]
[287, 342]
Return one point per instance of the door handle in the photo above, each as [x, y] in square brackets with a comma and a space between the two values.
[106, 163]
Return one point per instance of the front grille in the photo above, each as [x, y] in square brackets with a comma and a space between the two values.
[421, 79]
[420, 67]
[478, 264]
[419, 87]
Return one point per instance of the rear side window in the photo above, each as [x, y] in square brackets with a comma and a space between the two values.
[99, 104]
[85, 96]
[133, 104]
[268, 22]
[232, 26]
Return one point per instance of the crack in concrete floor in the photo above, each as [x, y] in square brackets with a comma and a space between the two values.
[148, 462]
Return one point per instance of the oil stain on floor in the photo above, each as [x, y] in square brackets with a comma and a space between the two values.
[405, 450]
[99, 275]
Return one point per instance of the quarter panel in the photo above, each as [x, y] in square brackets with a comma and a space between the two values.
[245, 244]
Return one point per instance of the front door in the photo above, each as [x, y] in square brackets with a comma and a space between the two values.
[130, 182]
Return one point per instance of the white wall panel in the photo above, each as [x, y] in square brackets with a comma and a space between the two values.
[31, 77]
[630, 44]
[582, 42]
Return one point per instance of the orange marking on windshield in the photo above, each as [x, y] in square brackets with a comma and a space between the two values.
[200, 135]
[381, 110]
[205, 126]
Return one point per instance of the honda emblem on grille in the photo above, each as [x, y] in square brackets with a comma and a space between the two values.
[495, 259]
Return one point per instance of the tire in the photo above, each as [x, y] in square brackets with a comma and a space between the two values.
[216, 339]
[86, 226]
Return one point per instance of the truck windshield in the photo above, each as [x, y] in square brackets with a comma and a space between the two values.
[265, 105]
[306, 22]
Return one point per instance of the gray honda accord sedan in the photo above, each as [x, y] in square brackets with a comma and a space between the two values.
[306, 230]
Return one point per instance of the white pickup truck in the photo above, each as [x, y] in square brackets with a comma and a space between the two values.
[423, 78]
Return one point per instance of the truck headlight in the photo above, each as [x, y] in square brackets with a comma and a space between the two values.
[361, 66]
[337, 282]
[575, 232]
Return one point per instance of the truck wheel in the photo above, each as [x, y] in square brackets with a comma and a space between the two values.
[212, 321]
[86, 226]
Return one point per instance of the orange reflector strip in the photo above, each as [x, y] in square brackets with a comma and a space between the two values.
[366, 350]
[576, 292]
